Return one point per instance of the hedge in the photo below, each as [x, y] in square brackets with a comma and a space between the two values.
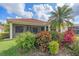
[4, 35]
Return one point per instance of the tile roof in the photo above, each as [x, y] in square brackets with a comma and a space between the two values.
[30, 21]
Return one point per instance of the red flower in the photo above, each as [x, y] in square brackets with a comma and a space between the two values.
[69, 36]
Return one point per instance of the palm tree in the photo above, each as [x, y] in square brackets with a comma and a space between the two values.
[61, 17]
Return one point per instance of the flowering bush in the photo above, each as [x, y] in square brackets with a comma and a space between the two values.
[69, 36]
[43, 38]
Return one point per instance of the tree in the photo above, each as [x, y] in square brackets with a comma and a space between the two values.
[61, 17]
[6, 27]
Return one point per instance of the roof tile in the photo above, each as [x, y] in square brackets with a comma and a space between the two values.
[34, 21]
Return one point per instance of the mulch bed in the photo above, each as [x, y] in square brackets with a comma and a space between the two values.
[62, 52]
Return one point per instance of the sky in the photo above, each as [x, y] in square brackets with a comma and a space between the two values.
[40, 11]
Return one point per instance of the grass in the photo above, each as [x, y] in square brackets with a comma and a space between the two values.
[6, 44]
[8, 48]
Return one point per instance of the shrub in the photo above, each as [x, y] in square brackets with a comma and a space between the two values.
[53, 47]
[42, 40]
[57, 36]
[69, 36]
[75, 48]
[25, 41]
[54, 35]
[4, 35]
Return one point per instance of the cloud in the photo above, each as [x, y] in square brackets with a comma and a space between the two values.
[42, 11]
[61, 4]
[30, 8]
[9, 17]
[3, 21]
[15, 17]
[76, 21]
[42, 16]
[76, 9]
[42, 8]
[29, 14]
[17, 8]
[18, 17]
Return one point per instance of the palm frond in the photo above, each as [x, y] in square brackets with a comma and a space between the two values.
[59, 15]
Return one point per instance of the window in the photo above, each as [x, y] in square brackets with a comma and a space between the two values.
[42, 28]
[35, 29]
[19, 29]
[77, 31]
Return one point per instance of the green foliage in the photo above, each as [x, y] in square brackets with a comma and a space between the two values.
[60, 17]
[75, 48]
[53, 47]
[54, 35]
[57, 36]
[43, 38]
[4, 35]
[6, 27]
[25, 41]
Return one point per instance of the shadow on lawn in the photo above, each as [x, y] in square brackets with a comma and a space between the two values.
[13, 51]
[1, 40]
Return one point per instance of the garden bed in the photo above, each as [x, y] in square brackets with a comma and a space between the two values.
[27, 44]
[7, 48]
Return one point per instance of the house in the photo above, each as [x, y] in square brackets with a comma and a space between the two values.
[1, 28]
[23, 25]
[76, 28]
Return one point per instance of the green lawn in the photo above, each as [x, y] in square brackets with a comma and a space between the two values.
[8, 47]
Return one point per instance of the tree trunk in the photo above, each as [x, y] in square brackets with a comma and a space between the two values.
[59, 30]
